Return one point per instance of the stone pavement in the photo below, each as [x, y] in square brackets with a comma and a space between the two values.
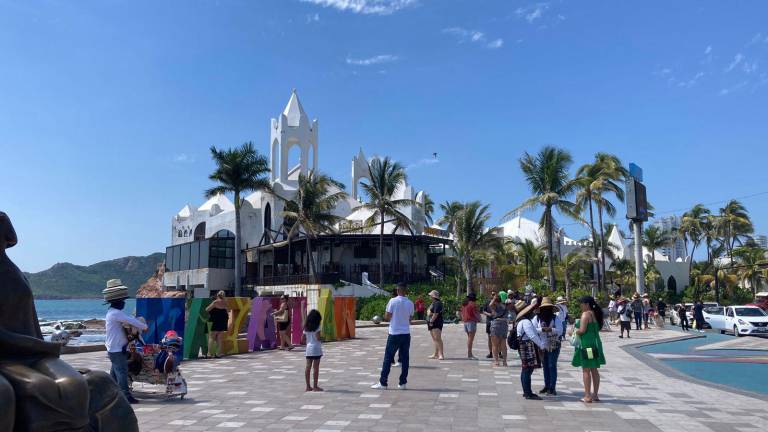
[265, 391]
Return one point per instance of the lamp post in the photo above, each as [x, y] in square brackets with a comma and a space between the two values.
[637, 212]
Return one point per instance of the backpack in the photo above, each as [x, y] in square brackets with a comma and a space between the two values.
[512, 340]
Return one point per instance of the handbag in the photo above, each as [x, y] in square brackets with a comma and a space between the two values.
[575, 341]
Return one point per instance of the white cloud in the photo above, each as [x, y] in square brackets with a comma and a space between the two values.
[708, 50]
[423, 163]
[736, 60]
[534, 12]
[313, 17]
[691, 82]
[376, 7]
[474, 36]
[749, 67]
[729, 90]
[183, 158]
[379, 59]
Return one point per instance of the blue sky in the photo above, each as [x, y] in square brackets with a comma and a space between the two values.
[108, 108]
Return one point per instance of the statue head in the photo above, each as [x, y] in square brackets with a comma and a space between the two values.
[8, 237]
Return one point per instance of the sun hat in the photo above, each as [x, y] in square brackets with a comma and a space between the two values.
[525, 310]
[115, 290]
[434, 294]
[560, 300]
[520, 305]
[546, 302]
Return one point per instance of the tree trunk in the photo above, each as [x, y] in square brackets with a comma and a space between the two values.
[690, 264]
[592, 233]
[237, 244]
[602, 247]
[381, 250]
[567, 286]
[550, 250]
[290, 257]
[468, 274]
[309, 256]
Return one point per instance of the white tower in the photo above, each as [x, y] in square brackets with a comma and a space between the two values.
[292, 129]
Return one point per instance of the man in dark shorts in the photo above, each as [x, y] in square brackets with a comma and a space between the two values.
[487, 312]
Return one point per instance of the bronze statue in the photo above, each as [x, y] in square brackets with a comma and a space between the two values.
[39, 391]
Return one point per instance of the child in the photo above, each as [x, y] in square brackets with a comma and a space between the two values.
[311, 338]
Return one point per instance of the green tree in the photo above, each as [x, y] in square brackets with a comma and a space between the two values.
[752, 261]
[572, 263]
[451, 210]
[386, 176]
[624, 270]
[531, 255]
[238, 170]
[311, 209]
[429, 208]
[548, 179]
[734, 226]
[654, 238]
[693, 229]
[472, 236]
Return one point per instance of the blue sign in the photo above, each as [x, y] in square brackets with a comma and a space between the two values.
[636, 172]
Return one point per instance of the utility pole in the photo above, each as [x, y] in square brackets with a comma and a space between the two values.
[637, 212]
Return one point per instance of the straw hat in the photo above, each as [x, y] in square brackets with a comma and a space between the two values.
[520, 305]
[546, 302]
[434, 294]
[525, 310]
[560, 300]
[115, 290]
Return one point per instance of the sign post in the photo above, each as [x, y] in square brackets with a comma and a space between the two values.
[637, 212]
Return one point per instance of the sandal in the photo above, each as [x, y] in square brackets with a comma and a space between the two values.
[586, 400]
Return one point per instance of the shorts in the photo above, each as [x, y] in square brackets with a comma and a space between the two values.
[436, 326]
[488, 326]
[314, 357]
[470, 326]
[283, 326]
[626, 325]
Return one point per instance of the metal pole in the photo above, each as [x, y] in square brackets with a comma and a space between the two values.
[639, 277]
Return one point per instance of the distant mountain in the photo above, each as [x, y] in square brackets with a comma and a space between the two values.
[65, 280]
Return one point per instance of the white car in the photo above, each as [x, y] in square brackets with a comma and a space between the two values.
[739, 320]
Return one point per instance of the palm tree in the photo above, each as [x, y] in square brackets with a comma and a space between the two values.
[693, 229]
[752, 262]
[624, 270]
[385, 177]
[611, 174]
[238, 170]
[654, 238]
[548, 179]
[734, 225]
[472, 236]
[311, 209]
[450, 211]
[570, 263]
[651, 275]
[532, 256]
[429, 208]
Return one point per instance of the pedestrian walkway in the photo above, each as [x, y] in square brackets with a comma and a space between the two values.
[265, 391]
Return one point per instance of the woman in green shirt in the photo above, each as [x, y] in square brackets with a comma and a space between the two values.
[589, 352]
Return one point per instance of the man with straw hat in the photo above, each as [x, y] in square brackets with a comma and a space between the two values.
[116, 341]
[550, 328]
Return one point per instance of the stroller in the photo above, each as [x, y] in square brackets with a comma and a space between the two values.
[156, 365]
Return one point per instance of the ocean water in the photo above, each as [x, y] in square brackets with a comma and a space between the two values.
[80, 309]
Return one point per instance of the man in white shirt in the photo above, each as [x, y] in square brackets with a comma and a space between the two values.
[116, 339]
[399, 314]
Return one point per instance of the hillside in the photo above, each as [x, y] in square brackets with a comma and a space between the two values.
[65, 280]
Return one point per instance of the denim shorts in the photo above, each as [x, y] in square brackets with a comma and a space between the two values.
[470, 327]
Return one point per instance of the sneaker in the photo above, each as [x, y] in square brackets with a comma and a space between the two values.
[542, 391]
[132, 400]
[395, 364]
[552, 393]
[379, 386]
[489, 356]
[402, 387]
[532, 397]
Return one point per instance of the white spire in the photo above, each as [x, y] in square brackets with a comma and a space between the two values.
[294, 112]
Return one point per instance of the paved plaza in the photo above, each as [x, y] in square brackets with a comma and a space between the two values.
[265, 391]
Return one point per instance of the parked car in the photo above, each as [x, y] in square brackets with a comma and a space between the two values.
[739, 320]
[761, 301]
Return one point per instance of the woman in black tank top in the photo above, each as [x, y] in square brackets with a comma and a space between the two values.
[219, 317]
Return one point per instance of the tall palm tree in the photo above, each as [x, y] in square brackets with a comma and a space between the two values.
[734, 225]
[624, 270]
[450, 211]
[612, 173]
[547, 176]
[692, 228]
[429, 208]
[386, 176]
[472, 236]
[311, 209]
[654, 238]
[586, 176]
[238, 170]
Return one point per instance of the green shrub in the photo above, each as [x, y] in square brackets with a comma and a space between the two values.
[369, 307]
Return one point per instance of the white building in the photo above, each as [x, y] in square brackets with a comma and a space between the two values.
[677, 249]
[761, 241]
[201, 255]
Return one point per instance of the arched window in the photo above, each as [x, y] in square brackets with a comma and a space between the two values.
[225, 233]
[671, 284]
[180, 233]
[268, 217]
[200, 231]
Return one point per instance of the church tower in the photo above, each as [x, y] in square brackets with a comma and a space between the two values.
[293, 128]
